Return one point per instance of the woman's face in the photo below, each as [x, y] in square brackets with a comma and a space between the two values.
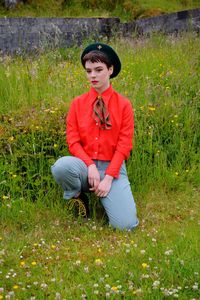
[98, 75]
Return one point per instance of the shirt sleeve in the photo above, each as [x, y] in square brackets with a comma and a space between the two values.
[124, 144]
[73, 137]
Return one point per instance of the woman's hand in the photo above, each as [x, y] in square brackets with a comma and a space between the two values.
[104, 186]
[93, 177]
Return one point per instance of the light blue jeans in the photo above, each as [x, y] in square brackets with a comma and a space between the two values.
[72, 174]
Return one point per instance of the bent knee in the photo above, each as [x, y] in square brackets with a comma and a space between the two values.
[124, 223]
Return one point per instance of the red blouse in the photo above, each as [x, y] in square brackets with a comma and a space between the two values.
[87, 141]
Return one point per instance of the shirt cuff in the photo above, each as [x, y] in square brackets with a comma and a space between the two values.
[113, 168]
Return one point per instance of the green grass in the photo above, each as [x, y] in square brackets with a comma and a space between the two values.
[125, 9]
[47, 253]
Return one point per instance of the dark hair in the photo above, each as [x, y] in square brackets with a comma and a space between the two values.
[97, 56]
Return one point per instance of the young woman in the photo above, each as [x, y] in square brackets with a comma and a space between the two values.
[100, 128]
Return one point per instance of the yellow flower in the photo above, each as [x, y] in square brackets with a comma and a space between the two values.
[34, 263]
[55, 146]
[53, 246]
[5, 197]
[151, 108]
[35, 244]
[176, 173]
[98, 262]
[114, 288]
[1, 297]
[22, 263]
[15, 287]
[1, 238]
[144, 265]
[11, 138]
[14, 176]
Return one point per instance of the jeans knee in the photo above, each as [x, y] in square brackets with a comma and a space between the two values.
[125, 223]
[59, 169]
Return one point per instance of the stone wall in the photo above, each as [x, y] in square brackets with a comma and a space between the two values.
[19, 35]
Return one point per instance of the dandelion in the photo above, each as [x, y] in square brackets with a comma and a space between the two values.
[55, 145]
[11, 139]
[22, 263]
[33, 263]
[1, 297]
[98, 262]
[5, 197]
[114, 288]
[145, 265]
[151, 108]
[15, 287]
[53, 246]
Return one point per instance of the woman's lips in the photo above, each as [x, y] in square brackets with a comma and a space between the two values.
[94, 81]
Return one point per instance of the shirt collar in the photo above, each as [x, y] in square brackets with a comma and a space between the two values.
[105, 95]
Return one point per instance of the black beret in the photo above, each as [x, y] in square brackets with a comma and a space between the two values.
[111, 54]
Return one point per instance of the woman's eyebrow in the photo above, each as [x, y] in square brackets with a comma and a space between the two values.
[96, 68]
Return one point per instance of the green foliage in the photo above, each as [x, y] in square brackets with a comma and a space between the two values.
[125, 9]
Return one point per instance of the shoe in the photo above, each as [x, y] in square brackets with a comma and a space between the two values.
[84, 198]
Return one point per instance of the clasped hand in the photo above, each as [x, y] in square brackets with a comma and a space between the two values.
[100, 187]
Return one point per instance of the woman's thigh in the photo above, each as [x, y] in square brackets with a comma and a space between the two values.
[120, 205]
[71, 173]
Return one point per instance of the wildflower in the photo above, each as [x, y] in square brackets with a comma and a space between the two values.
[96, 292]
[15, 287]
[55, 145]
[86, 269]
[53, 246]
[114, 288]
[77, 263]
[11, 138]
[44, 285]
[107, 286]
[1, 297]
[176, 173]
[168, 252]
[33, 263]
[1, 238]
[5, 197]
[155, 284]
[1, 290]
[195, 286]
[144, 265]
[142, 251]
[151, 108]
[22, 263]
[98, 262]
[14, 176]
[58, 296]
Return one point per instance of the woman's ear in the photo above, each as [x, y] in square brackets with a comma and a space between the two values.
[110, 70]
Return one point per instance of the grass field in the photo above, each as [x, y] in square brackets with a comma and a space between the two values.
[47, 253]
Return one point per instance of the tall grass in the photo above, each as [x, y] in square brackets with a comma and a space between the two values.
[160, 76]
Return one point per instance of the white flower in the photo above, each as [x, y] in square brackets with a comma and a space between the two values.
[156, 284]
[168, 252]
